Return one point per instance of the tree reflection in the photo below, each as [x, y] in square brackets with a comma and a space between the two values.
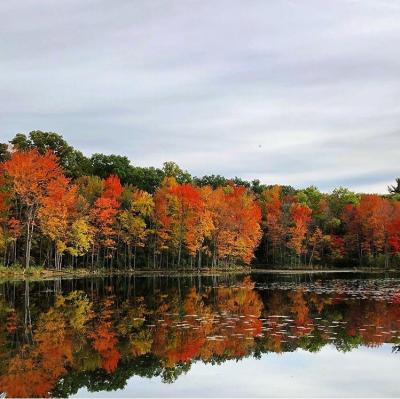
[101, 342]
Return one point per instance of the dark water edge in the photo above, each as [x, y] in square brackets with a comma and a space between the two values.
[50, 274]
[267, 333]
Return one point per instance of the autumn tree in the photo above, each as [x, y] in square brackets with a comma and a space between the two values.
[300, 216]
[30, 175]
[236, 224]
[64, 221]
[186, 207]
[318, 242]
[394, 230]
[273, 218]
[73, 162]
[162, 219]
[90, 187]
[134, 221]
[200, 228]
[181, 218]
[371, 225]
[103, 216]
[56, 214]
[6, 220]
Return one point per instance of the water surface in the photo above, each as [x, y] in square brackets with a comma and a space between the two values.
[255, 335]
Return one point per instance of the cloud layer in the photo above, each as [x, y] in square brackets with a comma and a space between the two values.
[291, 92]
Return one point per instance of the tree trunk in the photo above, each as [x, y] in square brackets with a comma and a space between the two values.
[28, 245]
[179, 253]
[129, 256]
[199, 261]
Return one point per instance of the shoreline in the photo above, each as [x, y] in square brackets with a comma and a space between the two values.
[50, 274]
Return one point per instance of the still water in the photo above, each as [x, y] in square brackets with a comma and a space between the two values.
[220, 336]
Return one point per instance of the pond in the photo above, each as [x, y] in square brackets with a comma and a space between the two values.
[333, 334]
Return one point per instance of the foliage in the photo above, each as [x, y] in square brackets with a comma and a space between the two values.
[59, 208]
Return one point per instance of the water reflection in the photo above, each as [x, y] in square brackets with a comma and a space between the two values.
[56, 337]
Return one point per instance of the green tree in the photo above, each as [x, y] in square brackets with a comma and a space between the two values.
[171, 169]
[4, 154]
[339, 198]
[395, 189]
[311, 197]
[107, 165]
[73, 162]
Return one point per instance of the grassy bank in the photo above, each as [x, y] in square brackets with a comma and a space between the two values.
[36, 273]
[40, 273]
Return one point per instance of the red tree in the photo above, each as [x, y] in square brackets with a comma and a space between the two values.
[300, 216]
[30, 175]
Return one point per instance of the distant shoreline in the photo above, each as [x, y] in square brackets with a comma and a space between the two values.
[318, 271]
[50, 274]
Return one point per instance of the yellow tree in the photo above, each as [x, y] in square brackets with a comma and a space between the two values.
[162, 221]
[57, 214]
[133, 222]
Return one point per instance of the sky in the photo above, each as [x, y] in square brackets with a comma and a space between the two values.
[363, 372]
[293, 92]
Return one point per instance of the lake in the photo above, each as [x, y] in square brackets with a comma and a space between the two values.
[324, 334]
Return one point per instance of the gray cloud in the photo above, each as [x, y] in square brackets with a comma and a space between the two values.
[296, 92]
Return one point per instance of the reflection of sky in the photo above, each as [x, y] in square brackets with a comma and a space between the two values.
[359, 373]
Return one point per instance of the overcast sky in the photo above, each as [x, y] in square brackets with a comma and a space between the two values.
[291, 92]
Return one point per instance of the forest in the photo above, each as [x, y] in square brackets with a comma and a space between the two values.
[61, 209]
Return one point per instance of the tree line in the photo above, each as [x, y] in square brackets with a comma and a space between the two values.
[59, 208]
